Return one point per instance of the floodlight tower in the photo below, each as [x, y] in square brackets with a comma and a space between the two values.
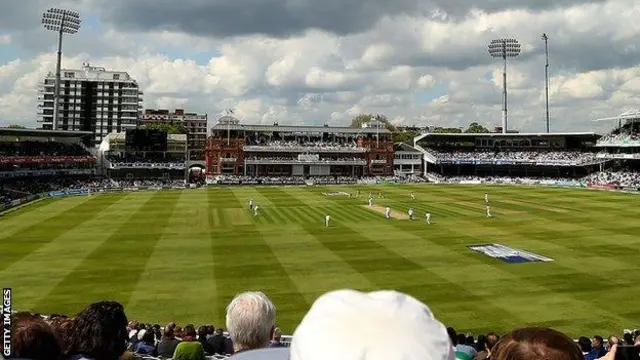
[504, 48]
[61, 21]
[545, 38]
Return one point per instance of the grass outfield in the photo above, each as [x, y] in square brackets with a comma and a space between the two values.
[182, 255]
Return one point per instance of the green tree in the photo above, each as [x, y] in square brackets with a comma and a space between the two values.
[16, 126]
[169, 128]
[475, 128]
[448, 130]
[357, 121]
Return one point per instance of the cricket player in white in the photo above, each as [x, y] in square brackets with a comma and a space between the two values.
[370, 202]
[413, 196]
[250, 204]
[410, 212]
[428, 217]
[255, 211]
[488, 211]
[326, 220]
[486, 197]
[387, 213]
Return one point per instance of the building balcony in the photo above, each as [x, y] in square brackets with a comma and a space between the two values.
[298, 149]
[304, 162]
[228, 160]
[379, 161]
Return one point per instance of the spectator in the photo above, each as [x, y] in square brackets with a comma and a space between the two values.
[250, 321]
[587, 349]
[275, 342]
[202, 338]
[190, 348]
[168, 343]
[346, 324]
[481, 343]
[99, 332]
[217, 343]
[32, 338]
[536, 344]
[598, 344]
[492, 339]
[628, 338]
[464, 348]
[146, 346]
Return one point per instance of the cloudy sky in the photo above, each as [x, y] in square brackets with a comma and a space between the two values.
[309, 61]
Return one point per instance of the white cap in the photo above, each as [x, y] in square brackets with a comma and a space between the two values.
[381, 325]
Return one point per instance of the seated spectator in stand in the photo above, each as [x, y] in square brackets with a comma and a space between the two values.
[628, 339]
[32, 338]
[168, 343]
[216, 342]
[275, 342]
[535, 343]
[190, 348]
[251, 319]
[490, 342]
[598, 344]
[381, 325]
[99, 332]
[587, 349]
[202, 338]
[463, 347]
[146, 345]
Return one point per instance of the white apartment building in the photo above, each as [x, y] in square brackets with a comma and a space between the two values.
[91, 99]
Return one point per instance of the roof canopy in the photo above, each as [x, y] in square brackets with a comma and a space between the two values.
[305, 129]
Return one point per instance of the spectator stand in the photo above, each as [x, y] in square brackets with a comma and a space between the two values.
[560, 155]
[133, 159]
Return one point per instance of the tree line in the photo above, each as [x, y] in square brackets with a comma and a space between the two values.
[406, 136]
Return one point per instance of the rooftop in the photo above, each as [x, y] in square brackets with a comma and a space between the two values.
[43, 133]
[298, 128]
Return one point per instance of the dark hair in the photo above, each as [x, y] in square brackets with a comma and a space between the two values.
[168, 333]
[492, 340]
[461, 339]
[453, 336]
[99, 332]
[149, 337]
[628, 339]
[33, 338]
[190, 330]
[599, 339]
[584, 343]
[470, 340]
[202, 333]
[534, 343]
[482, 342]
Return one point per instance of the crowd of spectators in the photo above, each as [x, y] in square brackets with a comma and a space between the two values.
[284, 144]
[294, 159]
[628, 132]
[41, 148]
[538, 156]
[149, 160]
[621, 178]
[343, 324]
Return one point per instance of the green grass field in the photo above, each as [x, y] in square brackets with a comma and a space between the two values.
[182, 255]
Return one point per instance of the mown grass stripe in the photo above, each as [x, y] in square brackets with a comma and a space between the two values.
[123, 256]
[234, 258]
[36, 236]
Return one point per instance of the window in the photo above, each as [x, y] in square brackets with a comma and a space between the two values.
[116, 76]
[69, 75]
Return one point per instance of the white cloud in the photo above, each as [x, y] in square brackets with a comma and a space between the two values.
[316, 76]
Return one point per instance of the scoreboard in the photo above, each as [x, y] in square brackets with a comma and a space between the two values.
[146, 140]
